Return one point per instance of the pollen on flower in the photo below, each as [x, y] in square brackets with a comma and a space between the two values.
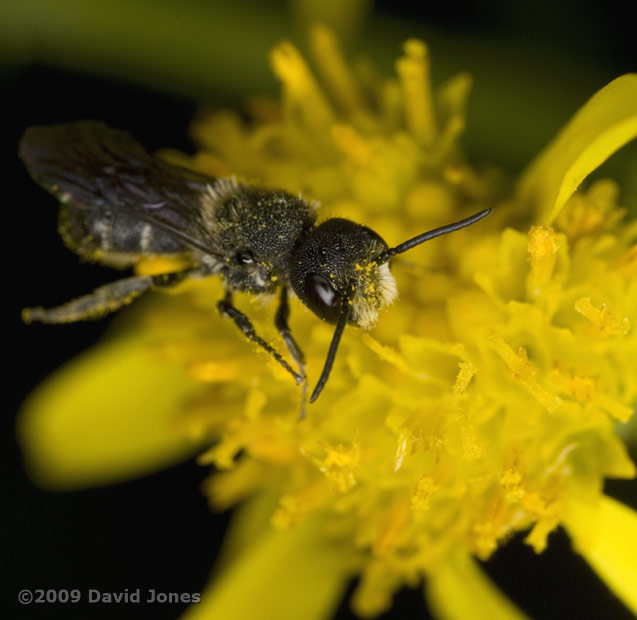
[585, 389]
[471, 447]
[340, 463]
[465, 374]
[386, 353]
[511, 481]
[582, 388]
[603, 322]
[542, 249]
[523, 371]
[424, 490]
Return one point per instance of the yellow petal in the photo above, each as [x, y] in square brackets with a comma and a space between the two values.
[108, 415]
[607, 121]
[283, 575]
[606, 535]
[459, 590]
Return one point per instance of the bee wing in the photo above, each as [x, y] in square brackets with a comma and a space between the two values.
[93, 165]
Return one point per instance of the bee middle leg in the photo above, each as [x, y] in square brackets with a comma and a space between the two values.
[281, 323]
[247, 329]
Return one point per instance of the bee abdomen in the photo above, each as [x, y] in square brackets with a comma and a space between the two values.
[114, 239]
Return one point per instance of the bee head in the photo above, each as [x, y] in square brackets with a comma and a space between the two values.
[335, 266]
[340, 271]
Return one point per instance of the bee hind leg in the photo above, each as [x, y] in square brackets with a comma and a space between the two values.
[101, 301]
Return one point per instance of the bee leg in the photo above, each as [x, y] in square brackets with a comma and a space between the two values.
[281, 322]
[102, 300]
[247, 329]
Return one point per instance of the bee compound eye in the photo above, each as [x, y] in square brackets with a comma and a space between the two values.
[322, 298]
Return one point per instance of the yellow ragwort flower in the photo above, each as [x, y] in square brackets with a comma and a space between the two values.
[483, 403]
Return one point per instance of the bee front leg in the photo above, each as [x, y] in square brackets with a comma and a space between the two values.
[102, 300]
[281, 322]
[247, 329]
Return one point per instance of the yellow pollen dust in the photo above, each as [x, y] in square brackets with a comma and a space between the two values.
[582, 389]
[471, 448]
[542, 249]
[388, 354]
[603, 322]
[585, 389]
[522, 371]
[511, 481]
[465, 374]
[425, 489]
[339, 463]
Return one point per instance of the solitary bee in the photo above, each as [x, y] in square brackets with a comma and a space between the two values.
[119, 204]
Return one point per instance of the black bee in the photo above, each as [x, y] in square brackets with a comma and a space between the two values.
[118, 203]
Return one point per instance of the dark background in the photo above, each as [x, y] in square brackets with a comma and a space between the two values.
[157, 532]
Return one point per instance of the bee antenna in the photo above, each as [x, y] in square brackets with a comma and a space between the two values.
[431, 234]
[331, 354]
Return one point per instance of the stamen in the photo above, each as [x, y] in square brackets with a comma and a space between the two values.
[302, 95]
[336, 75]
[603, 322]
[522, 371]
[413, 70]
[353, 145]
[542, 249]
